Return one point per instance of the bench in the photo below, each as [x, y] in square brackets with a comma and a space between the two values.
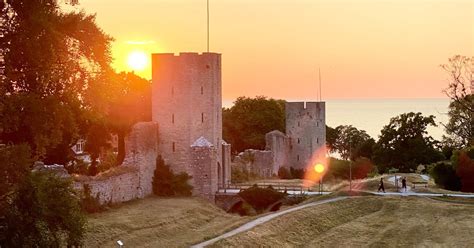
[420, 183]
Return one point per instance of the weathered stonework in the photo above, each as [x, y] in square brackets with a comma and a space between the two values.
[205, 174]
[187, 105]
[306, 128]
[133, 179]
[305, 136]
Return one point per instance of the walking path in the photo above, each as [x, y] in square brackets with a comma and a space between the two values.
[263, 219]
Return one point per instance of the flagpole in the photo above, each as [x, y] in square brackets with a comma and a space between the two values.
[207, 25]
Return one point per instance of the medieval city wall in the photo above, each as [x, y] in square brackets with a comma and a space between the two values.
[133, 179]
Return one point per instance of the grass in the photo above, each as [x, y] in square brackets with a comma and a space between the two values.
[366, 221]
[159, 222]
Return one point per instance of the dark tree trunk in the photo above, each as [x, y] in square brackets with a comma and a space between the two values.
[121, 147]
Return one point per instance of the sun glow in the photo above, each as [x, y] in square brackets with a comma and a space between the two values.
[137, 60]
[319, 168]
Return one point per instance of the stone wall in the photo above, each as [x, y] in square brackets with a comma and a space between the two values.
[306, 129]
[226, 164]
[203, 166]
[279, 144]
[255, 161]
[133, 179]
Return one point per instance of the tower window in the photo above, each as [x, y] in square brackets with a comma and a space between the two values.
[172, 118]
[298, 123]
[202, 117]
[174, 147]
[172, 91]
[298, 140]
[317, 123]
[297, 157]
[317, 140]
[202, 90]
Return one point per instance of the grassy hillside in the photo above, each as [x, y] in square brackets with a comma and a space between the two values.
[159, 222]
[366, 221]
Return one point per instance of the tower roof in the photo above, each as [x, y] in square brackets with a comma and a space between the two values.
[202, 142]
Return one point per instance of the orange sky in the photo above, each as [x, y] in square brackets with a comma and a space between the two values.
[365, 48]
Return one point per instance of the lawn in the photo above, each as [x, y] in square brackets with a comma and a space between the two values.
[366, 222]
[159, 222]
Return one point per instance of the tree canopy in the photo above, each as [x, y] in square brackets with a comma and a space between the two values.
[246, 123]
[404, 143]
[349, 142]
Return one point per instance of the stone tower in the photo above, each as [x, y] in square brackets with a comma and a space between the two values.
[306, 128]
[187, 105]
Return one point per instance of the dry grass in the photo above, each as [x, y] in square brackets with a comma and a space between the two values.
[159, 222]
[366, 222]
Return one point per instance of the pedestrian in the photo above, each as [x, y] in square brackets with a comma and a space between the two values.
[404, 184]
[381, 187]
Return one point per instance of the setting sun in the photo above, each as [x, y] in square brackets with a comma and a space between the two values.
[137, 60]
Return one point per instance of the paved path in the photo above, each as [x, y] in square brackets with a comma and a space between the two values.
[290, 192]
[263, 219]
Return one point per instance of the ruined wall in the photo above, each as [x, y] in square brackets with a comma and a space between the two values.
[225, 177]
[279, 144]
[133, 179]
[255, 161]
[204, 168]
[306, 128]
[187, 104]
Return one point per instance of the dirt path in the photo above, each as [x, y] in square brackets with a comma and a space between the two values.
[263, 220]
[366, 222]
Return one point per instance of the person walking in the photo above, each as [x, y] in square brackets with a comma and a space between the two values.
[404, 184]
[381, 187]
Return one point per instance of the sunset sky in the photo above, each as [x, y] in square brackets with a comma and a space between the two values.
[365, 48]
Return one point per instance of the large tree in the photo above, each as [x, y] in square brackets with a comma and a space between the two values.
[404, 143]
[350, 142]
[460, 127]
[51, 64]
[246, 123]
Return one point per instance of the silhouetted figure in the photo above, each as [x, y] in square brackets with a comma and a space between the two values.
[381, 187]
[404, 184]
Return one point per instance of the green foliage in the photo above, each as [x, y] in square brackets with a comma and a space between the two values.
[15, 164]
[297, 173]
[460, 127]
[246, 123]
[89, 203]
[361, 168]
[444, 175]
[261, 198]
[350, 142]
[404, 143]
[45, 213]
[48, 86]
[166, 183]
[240, 175]
[284, 173]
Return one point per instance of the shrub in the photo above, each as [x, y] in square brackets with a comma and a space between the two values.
[261, 198]
[297, 173]
[445, 176]
[240, 175]
[45, 213]
[284, 173]
[465, 169]
[166, 183]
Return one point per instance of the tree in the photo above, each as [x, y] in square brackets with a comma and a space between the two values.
[52, 64]
[166, 183]
[461, 72]
[331, 138]
[404, 143]
[460, 127]
[45, 213]
[351, 143]
[463, 162]
[246, 123]
[131, 104]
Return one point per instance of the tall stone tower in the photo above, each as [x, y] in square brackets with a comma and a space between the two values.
[187, 105]
[306, 128]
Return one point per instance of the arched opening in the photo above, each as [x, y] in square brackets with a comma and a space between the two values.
[219, 176]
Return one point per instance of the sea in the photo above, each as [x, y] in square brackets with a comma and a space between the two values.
[372, 115]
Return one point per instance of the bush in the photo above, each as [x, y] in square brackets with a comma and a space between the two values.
[284, 173]
[166, 183]
[261, 198]
[242, 175]
[464, 164]
[297, 173]
[45, 212]
[445, 176]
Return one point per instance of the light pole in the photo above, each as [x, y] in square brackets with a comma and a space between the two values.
[350, 163]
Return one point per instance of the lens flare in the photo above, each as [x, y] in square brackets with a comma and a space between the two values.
[137, 60]
[319, 168]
